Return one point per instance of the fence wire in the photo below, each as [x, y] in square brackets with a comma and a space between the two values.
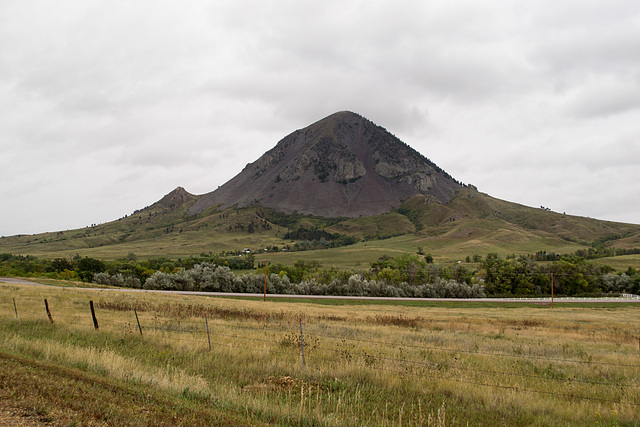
[332, 355]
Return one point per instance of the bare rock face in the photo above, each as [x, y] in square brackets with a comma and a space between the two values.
[342, 165]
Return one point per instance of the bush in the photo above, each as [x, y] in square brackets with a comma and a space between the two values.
[618, 282]
[116, 280]
[279, 284]
[108, 279]
[160, 281]
[224, 279]
[87, 267]
[250, 283]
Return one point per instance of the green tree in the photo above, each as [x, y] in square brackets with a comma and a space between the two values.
[87, 267]
[61, 264]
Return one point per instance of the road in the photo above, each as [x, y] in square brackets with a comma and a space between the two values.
[18, 281]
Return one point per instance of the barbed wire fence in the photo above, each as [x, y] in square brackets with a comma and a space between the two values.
[325, 350]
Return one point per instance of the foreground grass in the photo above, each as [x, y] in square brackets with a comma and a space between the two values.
[367, 364]
[62, 395]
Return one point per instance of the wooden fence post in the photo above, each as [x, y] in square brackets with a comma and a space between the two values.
[15, 308]
[46, 306]
[138, 320]
[208, 336]
[93, 315]
[302, 342]
[551, 290]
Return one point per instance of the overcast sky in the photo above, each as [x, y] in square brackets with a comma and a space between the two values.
[107, 106]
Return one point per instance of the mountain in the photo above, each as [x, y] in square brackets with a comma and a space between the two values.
[341, 166]
[175, 199]
[342, 178]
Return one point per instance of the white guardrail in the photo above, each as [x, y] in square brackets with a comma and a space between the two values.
[622, 296]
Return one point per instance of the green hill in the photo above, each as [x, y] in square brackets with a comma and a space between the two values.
[471, 223]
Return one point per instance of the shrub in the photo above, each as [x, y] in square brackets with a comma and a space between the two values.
[618, 282]
[279, 284]
[212, 278]
[116, 280]
[160, 281]
[250, 283]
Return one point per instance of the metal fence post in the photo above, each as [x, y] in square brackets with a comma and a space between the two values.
[138, 320]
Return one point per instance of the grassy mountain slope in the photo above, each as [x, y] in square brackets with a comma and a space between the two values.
[472, 223]
[162, 229]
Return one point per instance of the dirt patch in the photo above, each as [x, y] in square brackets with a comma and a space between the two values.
[17, 416]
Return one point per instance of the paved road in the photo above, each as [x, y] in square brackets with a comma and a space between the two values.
[18, 281]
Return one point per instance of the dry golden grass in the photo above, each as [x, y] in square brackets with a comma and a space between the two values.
[364, 364]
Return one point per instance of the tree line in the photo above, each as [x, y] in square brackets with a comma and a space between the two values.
[136, 271]
[406, 275]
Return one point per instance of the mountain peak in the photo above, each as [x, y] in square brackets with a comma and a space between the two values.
[342, 165]
[343, 115]
[176, 198]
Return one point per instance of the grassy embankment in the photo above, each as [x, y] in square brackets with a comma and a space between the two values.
[365, 364]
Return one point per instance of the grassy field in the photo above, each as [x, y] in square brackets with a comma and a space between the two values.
[620, 263]
[364, 364]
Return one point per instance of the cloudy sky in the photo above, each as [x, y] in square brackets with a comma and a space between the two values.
[107, 106]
